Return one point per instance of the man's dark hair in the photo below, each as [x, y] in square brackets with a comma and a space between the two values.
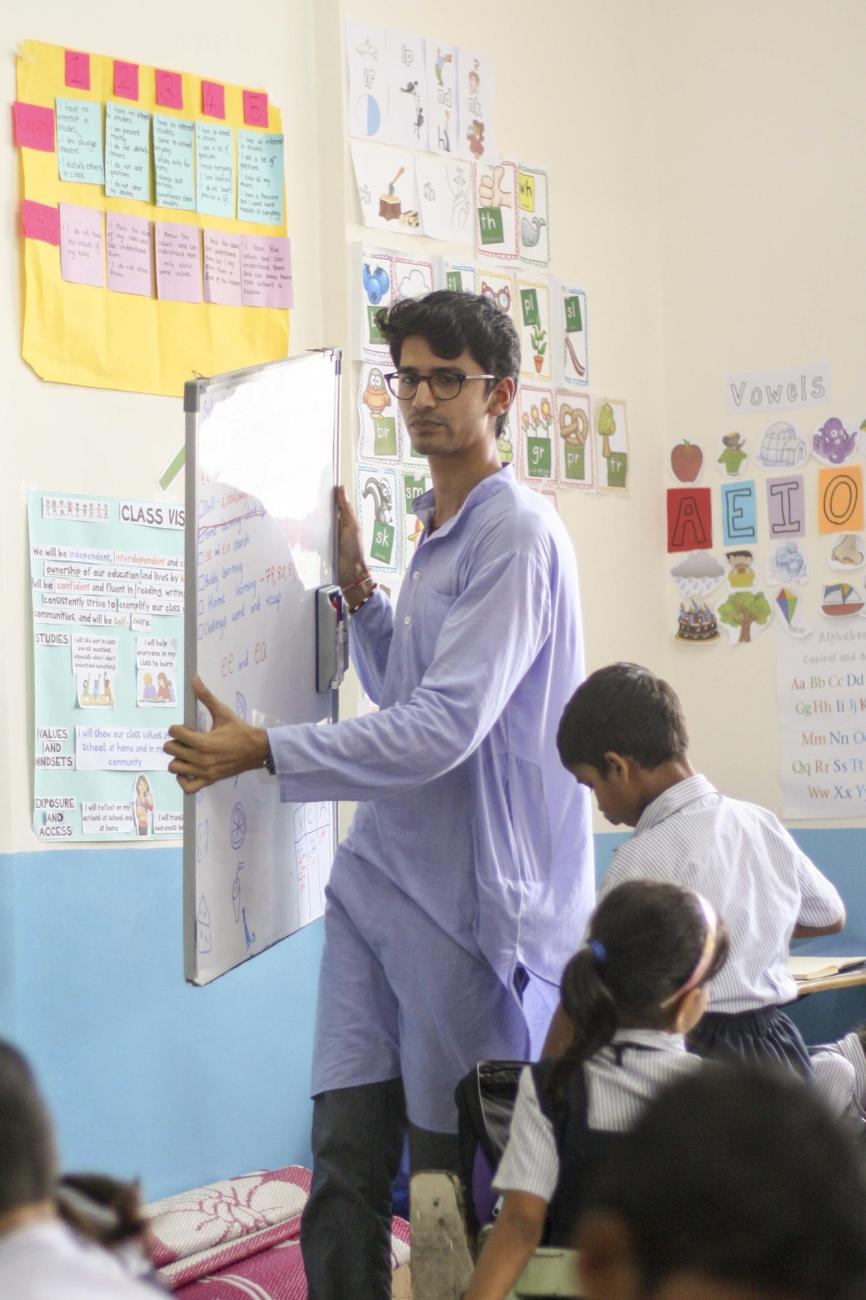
[452, 323]
[27, 1154]
[745, 1178]
[626, 710]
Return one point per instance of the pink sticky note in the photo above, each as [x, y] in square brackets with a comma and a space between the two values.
[33, 126]
[255, 108]
[222, 268]
[82, 247]
[128, 254]
[178, 261]
[77, 67]
[169, 89]
[125, 80]
[39, 221]
[213, 99]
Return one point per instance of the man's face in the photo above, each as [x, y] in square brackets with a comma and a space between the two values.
[458, 424]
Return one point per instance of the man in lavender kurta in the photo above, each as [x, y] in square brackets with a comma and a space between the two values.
[466, 877]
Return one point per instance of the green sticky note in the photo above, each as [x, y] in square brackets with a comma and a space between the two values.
[490, 226]
[538, 457]
[617, 469]
[573, 317]
[384, 435]
[575, 464]
[454, 281]
[529, 306]
[383, 542]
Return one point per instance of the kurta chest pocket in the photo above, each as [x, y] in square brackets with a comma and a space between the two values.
[428, 611]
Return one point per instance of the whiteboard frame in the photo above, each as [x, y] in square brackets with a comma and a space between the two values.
[194, 392]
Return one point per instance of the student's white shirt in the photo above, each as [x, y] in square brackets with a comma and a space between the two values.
[744, 861]
[619, 1082]
[48, 1261]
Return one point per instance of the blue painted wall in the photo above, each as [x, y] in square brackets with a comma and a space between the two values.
[148, 1076]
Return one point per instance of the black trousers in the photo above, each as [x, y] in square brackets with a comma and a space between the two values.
[346, 1225]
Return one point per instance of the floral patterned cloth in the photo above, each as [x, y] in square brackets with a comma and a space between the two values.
[241, 1237]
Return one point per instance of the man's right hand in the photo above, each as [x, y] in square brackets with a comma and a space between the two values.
[351, 543]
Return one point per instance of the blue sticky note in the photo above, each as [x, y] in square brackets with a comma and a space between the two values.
[260, 177]
[127, 153]
[739, 518]
[172, 162]
[79, 141]
[214, 170]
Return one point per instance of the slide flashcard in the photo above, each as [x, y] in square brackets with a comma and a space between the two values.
[377, 506]
[366, 57]
[612, 430]
[379, 435]
[533, 215]
[575, 461]
[407, 90]
[786, 506]
[739, 519]
[572, 336]
[496, 217]
[534, 329]
[445, 196]
[499, 288]
[387, 191]
[690, 519]
[536, 428]
[443, 135]
[475, 102]
[840, 500]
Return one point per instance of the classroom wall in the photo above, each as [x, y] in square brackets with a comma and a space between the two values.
[703, 191]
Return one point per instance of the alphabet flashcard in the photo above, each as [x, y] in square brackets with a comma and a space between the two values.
[379, 436]
[572, 338]
[611, 429]
[840, 499]
[443, 134]
[690, 519]
[786, 506]
[387, 190]
[378, 509]
[739, 520]
[575, 446]
[495, 209]
[533, 322]
[475, 104]
[533, 215]
[536, 429]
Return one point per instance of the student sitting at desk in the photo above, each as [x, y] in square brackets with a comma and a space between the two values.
[624, 736]
[630, 995]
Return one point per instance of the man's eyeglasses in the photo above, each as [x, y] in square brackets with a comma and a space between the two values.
[443, 384]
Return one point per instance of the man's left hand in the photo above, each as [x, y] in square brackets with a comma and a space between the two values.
[230, 747]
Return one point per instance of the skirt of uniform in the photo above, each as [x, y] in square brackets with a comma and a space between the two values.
[764, 1035]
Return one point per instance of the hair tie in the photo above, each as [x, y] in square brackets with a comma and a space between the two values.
[598, 951]
[708, 951]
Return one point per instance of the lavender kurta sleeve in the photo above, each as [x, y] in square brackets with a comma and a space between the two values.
[463, 803]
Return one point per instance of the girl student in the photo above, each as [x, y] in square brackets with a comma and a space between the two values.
[630, 996]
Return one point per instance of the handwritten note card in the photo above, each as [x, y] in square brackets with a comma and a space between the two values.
[260, 178]
[222, 268]
[79, 141]
[127, 153]
[127, 243]
[215, 170]
[82, 253]
[33, 126]
[172, 161]
[266, 271]
[178, 262]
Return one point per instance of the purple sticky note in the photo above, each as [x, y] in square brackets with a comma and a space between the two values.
[786, 509]
[255, 108]
[33, 126]
[128, 254]
[82, 248]
[169, 89]
[178, 261]
[39, 221]
[77, 69]
[266, 271]
[213, 99]
[222, 268]
[125, 80]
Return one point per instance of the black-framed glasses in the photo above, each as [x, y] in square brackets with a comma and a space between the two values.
[443, 384]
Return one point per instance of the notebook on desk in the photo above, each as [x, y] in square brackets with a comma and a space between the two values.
[821, 967]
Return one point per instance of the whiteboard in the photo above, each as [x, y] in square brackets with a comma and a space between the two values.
[262, 452]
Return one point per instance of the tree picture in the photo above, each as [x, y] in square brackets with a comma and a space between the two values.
[742, 609]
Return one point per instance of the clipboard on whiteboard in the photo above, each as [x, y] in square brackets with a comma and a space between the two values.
[262, 458]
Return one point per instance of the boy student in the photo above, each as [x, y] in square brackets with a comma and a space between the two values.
[454, 902]
[624, 737]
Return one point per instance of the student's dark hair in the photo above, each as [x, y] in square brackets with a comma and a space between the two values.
[745, 1178]
[102, 1208]
[645, 940]
[452, 323]
[626, 709]
[27, 1153]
